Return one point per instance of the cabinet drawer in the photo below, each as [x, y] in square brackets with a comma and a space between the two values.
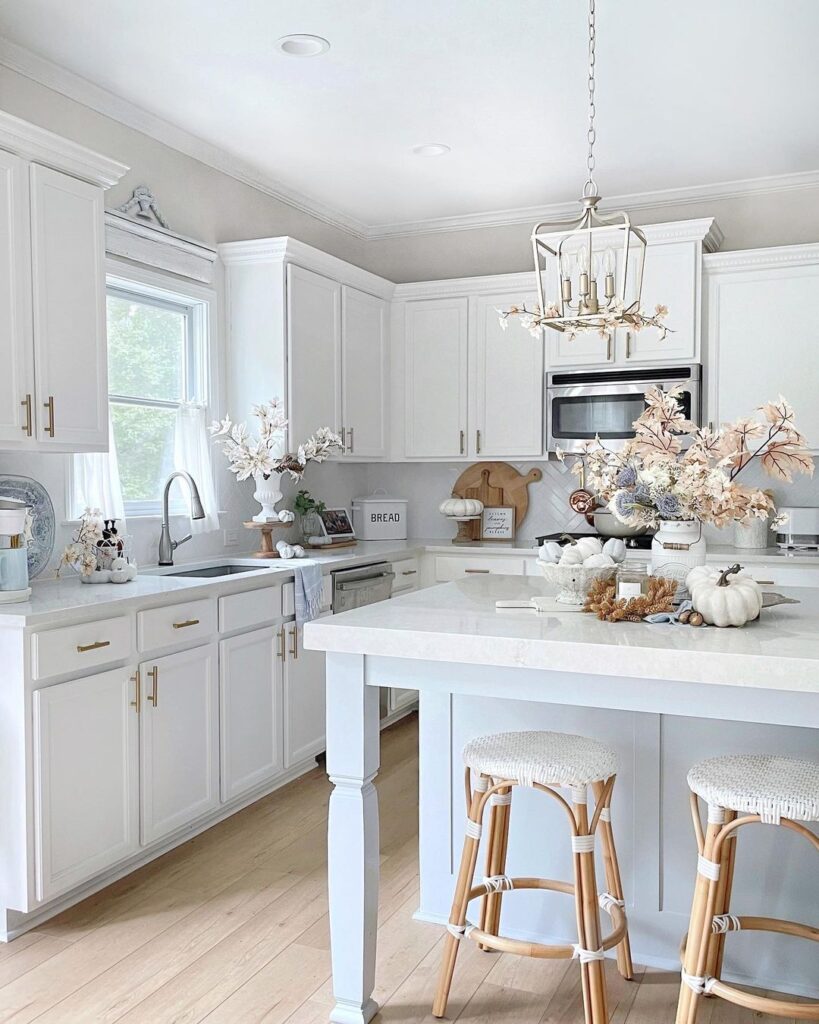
[289, 597]
[456, 567]
[249, 609]
[407, 575]
[89, 645]
[176, 624]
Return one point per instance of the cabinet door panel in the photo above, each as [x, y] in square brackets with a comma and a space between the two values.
[436, 378]
[86, 737]
[304, 699]
[670, 277]
[313, 353]
[508, 381]
[364, 377]
[179, 767]
[250, 711]
[16, 353]
[68, 252]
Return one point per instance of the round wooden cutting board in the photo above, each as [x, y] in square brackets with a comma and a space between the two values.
[497, 483]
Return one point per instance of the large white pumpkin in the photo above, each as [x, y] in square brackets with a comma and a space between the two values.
[727, 598]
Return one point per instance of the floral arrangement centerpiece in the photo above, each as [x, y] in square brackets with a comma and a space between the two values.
[97, 551]
[673, 476]
[263, 457]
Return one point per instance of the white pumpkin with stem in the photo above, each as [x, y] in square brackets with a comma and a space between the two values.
[727, 598]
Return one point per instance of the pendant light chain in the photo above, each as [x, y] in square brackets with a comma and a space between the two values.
[590, 188]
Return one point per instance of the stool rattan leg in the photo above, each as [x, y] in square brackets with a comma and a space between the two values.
[457, 915]
[722, 904]
[588, 918]
[614, 884]
[498, 842]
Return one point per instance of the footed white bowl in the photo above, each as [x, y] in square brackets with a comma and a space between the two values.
[573, 581]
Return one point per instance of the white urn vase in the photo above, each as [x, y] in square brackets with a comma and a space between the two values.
[268, 493]
[677, 548]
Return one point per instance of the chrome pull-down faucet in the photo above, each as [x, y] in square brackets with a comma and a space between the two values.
[166, 545]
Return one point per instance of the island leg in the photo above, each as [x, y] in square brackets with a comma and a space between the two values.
[353, 748]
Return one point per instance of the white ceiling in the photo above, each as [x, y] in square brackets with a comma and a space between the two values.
[689, 93]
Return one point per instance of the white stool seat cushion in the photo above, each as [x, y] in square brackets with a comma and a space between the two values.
[762, 784]
[550, 758]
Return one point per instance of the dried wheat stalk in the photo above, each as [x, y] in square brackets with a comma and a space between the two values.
[602, 600]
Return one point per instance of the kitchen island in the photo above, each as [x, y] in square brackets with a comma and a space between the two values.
[663, 696]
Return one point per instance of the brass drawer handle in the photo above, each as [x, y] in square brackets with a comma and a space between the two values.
[26, 404]
[49, 405]
[282, 644]
[136, 678]
[476, 570]
[186, 623]
[294, 650]
[628, 344]
[82, 648]
[153, 696]
[766, 583]
[463, 441]
[351, 432]
[408, 572]
[477, 442]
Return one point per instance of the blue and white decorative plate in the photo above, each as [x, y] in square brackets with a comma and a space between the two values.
[35, 496]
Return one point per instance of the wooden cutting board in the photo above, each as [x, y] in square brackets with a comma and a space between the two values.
[497, 483]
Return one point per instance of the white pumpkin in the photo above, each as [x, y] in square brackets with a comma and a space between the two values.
[601, 561]
[589, 546]
[551, 551]
[571, 555]
[615, 548]
[727, 598]
[461, 507]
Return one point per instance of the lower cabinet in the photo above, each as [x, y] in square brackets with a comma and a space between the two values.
[304, 698]
[179, 750]
[250, 704]
[86, 785]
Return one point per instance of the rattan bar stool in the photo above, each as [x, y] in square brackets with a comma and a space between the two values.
[544, 761]
[740, 790]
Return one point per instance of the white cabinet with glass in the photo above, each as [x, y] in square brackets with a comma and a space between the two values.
[52, 265]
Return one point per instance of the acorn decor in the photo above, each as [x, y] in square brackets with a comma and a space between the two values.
[604, 603]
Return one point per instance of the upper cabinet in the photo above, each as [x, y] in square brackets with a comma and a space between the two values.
[54, 393]
[313, 330]
[760, 343]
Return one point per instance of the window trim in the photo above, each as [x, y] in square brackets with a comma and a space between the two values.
[203, 303]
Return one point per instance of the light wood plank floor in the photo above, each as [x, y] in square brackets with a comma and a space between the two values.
[231, 928]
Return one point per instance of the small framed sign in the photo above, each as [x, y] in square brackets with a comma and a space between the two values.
[498, 523]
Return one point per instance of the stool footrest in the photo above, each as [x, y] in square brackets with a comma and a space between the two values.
[764, 1004]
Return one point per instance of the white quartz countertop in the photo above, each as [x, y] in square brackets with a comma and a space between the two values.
[458, 622]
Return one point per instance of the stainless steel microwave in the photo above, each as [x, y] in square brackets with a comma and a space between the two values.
[583, 404]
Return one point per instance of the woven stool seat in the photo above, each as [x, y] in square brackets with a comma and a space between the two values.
[772, 787]
[548, 758]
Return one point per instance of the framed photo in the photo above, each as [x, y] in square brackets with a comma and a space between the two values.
[335, 523]
[498, 523]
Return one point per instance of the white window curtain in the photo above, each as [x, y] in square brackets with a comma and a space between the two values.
[97, 484]
[192, 452]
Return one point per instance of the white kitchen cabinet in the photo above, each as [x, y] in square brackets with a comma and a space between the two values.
[179, 743]
[760, 342]
[250, 705]
[364, 374]
[314, 352]
[304, 698]
[436, 386]
[509, 382]
[86, 778]
[16, 353]
[672, 278]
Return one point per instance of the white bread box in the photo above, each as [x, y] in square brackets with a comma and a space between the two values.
[377, 516]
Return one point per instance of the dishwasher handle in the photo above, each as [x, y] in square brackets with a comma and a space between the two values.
[365, 582]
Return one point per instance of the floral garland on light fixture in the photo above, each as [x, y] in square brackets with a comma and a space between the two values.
[605, 323]
[656, 478]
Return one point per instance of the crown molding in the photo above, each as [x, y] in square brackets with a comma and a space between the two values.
[44, 147]
[762, 259]
[159, 248]
[557, 212]
[81, 90]
[290, 250]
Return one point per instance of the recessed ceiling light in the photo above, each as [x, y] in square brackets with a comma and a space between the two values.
[300, 45]
[431, 149]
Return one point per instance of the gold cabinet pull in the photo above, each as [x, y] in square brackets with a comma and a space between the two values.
[628, 344]
[475, 571]
[153, 696]
[477, 442]
[766, 583]
[49, 405]
[136, 679]
[83, 648]
[463, 442]
[608, 347]
[351, 432]
[186, 623]
[294, 650]
[408, 572]
[282, 644]
[27, 427]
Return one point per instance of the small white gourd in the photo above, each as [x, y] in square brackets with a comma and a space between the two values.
[460, 507]
[551, 551]
[285, 551]
[589, 546]
[572, 555]
[726, 598]
[616, 548]
[286, 516]
[601, 561]
[298, 551]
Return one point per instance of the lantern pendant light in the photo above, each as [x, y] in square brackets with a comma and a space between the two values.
[589, 271]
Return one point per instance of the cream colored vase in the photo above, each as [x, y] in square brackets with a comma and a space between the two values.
[677, 548]
[268, 493]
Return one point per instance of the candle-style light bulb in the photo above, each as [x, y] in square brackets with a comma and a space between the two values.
[609, 265]
[565, 266]
[583, 268]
